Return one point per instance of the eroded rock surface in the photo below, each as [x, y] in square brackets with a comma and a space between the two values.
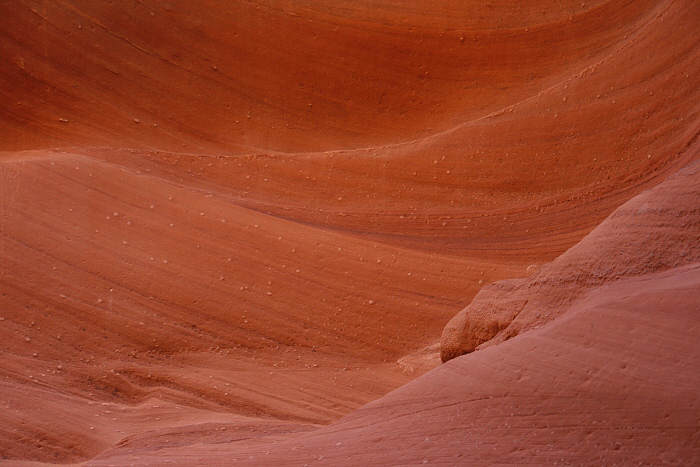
[654, 231]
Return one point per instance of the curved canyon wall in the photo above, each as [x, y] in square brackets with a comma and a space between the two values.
[241, 214]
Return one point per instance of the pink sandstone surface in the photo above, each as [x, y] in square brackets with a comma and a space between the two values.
[234, 232]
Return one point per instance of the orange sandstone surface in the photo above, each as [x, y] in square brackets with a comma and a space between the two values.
[243, 231]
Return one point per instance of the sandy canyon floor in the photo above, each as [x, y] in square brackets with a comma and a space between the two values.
[251, 232]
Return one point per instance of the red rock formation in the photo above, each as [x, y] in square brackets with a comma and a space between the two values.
[655, 231]
[612, 380]
[241, 214]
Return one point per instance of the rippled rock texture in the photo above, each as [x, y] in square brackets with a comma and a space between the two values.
[227, 226]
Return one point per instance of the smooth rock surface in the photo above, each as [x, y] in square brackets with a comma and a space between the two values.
[226, 225]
